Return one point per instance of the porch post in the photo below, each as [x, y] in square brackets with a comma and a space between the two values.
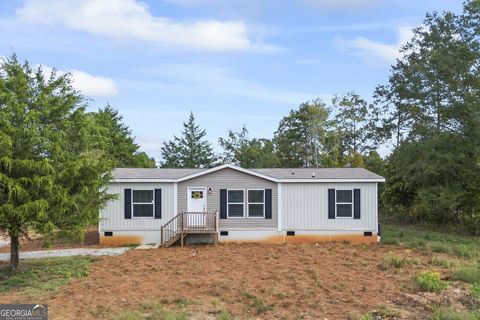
[161, 236]
[181, 229]
[216, 228]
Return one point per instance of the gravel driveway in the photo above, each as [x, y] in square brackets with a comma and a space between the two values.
[67, 253]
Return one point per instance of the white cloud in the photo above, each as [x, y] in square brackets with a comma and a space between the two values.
[342, 4]
[94, 86]
[375, 49]
[88, 84]
[130, 19]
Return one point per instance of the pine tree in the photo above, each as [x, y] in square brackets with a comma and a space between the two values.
[190, 150]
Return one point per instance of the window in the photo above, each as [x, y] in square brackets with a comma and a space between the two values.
[344, 203]
[256, 203]
[142, 203]
[197, 194]
[235, 201]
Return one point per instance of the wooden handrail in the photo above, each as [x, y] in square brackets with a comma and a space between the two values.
[188, 222]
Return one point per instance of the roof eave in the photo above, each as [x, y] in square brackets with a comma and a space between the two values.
[252, 173]
[331, 180]
[120, 180]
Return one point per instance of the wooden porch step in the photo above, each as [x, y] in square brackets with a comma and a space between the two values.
[172, 240]
[186, 223]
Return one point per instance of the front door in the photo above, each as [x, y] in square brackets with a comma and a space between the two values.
[197, 202]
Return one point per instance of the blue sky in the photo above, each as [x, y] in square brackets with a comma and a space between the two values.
[232, 62]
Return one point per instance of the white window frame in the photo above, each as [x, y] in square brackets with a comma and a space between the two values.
[152, 203]
[262, 203]
[351, 203]
[228, 204]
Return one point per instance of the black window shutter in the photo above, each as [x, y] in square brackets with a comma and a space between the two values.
[223, 203]
[356, 203]
[331, 203]
[268, 203]
[158, 203]
[128, 203]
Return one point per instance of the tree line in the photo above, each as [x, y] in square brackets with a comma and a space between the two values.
[56, 157]
[428, 112]
[340, 134]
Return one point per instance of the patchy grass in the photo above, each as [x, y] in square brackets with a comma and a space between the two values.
[182, 302]
[224, 315]
[475, 291]
[469, 274]
[392, 261]
[40, 276]
[260, 306]
[451, 314]
[438, 242]
[153, 311]
[382, 312]
[441, 262]
[430, 281]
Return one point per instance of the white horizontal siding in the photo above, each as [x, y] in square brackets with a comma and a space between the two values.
[305, 207]
[112, 217]
[230, 179]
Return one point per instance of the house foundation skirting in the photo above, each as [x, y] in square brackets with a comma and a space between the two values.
[243, 236]
[294, 236]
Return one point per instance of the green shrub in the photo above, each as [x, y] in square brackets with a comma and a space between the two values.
[430, 281]
[451, 314]
[470, 274]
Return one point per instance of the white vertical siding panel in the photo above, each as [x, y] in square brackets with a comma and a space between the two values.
[305, 207]
[112, 217]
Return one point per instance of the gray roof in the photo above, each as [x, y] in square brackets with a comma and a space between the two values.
[152, 173]
[320, 173]
[275, 173]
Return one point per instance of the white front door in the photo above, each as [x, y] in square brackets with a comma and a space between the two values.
[197, 200]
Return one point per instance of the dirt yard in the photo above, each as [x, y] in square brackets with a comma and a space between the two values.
[249, 281]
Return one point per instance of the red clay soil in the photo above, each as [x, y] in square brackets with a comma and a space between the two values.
[332, 281]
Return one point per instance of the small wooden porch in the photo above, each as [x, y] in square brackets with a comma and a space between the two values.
[186, 223]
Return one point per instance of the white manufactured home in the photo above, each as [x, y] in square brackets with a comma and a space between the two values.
[233, 204]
